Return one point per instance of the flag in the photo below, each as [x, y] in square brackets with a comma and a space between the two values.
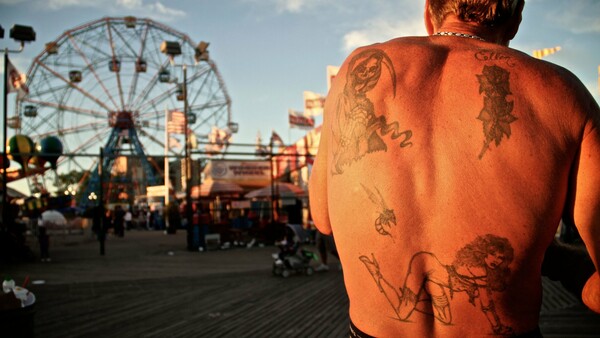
[276, 139]
[176, 122]
[313, 103]
[260, 149]
[331, 74]
[541, 53]
[298, 120]
[174, 143]
[16, 81]
[14, 122]
[218, 139]
[192, 139]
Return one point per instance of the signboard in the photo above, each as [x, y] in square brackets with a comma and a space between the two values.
[157, 190]
[243, 173]
[240, 204]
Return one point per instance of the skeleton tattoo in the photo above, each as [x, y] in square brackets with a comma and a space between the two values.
[479, 269]
[496, 113]
[386, 218]
[358, 130]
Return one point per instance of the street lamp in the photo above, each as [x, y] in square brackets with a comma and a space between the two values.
[21, 34]
[173, 49]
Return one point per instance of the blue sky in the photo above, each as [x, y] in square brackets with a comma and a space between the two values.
[270, 51]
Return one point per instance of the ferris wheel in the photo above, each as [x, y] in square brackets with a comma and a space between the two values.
[107, 84]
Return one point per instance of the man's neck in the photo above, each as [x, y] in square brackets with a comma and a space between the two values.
[453, 24]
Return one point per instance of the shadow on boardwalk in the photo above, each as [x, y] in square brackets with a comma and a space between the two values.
[147, 285]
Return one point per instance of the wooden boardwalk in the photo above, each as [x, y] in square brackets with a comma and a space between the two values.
[149, 286]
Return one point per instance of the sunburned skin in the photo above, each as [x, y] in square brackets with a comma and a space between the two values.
[358, 127]
[480, 269]
[444, 167]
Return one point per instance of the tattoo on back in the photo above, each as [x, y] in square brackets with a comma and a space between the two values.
[387, 218]
[480, 269]
[357, 129]
[496, 114]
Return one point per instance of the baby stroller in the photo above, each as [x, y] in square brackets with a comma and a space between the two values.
[292, 259]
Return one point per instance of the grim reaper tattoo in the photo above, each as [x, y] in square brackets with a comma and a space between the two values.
[358, 130]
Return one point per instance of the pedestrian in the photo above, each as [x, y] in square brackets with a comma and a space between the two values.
[205, 223]
[119, 221]
[100, 224]
[128, 217]
[325, 246]
[43, 240]
[445, 165]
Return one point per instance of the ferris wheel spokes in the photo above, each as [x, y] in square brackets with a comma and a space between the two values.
[79, 89]
[92, 69]
[105, 84]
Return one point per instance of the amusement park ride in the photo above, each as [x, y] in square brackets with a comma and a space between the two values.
[106, 85]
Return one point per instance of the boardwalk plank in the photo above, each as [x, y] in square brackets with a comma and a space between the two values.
[149, 286]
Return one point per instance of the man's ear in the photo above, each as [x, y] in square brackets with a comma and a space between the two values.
[516, 19]
[428, 20]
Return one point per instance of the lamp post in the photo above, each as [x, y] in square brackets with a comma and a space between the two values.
[173, 49]
[21, 34]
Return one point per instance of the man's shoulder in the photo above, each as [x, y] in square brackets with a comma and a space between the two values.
[400, 43]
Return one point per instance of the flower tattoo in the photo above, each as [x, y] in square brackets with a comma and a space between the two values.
[496, 113]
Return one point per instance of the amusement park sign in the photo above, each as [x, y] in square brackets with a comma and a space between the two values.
[244, 173]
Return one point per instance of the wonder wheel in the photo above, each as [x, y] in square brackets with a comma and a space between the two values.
[106, 84]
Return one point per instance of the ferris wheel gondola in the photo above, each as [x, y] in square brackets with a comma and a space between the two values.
[106, 84]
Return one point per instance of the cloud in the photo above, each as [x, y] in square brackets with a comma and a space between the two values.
[381, 29]
[163, 10]
[578, 17]
[130, 4]
[364, 22]
[59, 4]
[154, 10]
[295, 6]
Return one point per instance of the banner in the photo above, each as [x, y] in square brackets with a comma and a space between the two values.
[176, 122]
[16, 81]
[331, 74]
[541, 53]
[297, 120]
[313, 103]
[218, 139]
[296, 156]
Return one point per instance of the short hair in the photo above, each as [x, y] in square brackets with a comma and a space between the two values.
[485, 12]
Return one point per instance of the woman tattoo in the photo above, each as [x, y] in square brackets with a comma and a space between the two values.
[479, 269]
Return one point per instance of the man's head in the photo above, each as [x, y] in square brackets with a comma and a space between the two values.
[488, 13]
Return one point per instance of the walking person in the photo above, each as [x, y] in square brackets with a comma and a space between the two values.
[325, 246]
[445, 165]
[128, 218]
[119, 221]
[43, 240]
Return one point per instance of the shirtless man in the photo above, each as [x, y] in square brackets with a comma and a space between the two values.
[446, 163]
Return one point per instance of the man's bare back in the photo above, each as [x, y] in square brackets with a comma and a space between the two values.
[443, 171]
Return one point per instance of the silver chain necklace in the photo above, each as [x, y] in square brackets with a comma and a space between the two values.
[460, 35]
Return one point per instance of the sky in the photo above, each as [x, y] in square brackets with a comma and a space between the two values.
[269, 51]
